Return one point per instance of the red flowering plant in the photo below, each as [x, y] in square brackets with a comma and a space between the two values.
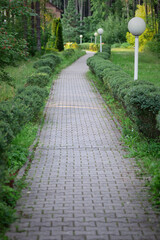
[11, 49]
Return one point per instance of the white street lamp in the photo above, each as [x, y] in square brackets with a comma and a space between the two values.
[136, 26]
[100, 31]
[91, 39]
[81, 36]
[95, 34]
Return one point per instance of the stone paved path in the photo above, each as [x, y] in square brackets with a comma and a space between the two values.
[82, 188]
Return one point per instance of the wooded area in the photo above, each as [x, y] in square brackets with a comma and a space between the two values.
[27, 26]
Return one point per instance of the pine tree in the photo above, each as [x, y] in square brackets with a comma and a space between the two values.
[71, 23]
[59, 37]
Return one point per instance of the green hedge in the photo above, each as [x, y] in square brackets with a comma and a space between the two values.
[16, 113]
[141, 99]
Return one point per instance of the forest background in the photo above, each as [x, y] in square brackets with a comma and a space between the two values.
[27, 27]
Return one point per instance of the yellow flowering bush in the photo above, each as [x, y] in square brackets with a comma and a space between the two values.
[93, 47]
[71, 45]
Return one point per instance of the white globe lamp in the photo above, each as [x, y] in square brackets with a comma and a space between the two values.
[100, 32]
[136, 26]
[95, 34]
[81, 36]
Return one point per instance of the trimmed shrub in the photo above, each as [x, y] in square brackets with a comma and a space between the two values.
[32, 97]
[38, 79]
[45, 69]
[141, 99]
[52, 56]
[143, 104]
[103, 55]
[68, 52]
[45, 62]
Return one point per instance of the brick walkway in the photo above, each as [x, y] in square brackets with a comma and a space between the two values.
[82, 188]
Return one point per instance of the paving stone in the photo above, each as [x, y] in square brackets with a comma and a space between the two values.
[80, 185]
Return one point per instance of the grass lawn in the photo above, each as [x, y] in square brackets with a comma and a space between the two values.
[20, 73]
[148, 68]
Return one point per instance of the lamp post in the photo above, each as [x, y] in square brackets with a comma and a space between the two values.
[91, 39]
[100, 32]
[136, 26]
[81, 36]
[95, 34]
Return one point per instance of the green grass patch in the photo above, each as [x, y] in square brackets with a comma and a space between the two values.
[148, 67]
[19, 73]
[19, 149]
[146, 152]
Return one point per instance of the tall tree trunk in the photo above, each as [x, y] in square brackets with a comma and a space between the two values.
[158, 14]
[25, 25]
[38, 26]
[89, 7]
[77, 7]
[32, 21]
[33, 28]
[127, 8]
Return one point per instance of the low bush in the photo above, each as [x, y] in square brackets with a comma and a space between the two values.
[6, 215]
[55, 57]
[38, 79]
[68, 52]
[140, 99]
[143, 104]
[45, 69]
[45, 62]
[6, 78]
[84, 46]
[103, 55]
[93, 47]
[125, 45]
[116, 45]
[71, 45]
[16, 113]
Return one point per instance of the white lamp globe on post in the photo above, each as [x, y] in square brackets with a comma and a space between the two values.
[95, 34]
[136, 26]
[81, 36]
[100, 32]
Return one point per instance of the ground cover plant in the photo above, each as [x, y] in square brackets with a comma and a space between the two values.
[19, 120]
[144, 149]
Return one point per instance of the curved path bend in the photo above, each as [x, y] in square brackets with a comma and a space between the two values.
[81, 186]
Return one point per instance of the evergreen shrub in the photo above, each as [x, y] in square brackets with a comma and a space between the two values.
[38, 79]
[55, 57]
[141, 99]
[16, 113]
[68, 52]
[45, 62]
[45, 69]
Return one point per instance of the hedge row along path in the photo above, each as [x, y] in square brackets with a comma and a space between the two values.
[82, 187]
